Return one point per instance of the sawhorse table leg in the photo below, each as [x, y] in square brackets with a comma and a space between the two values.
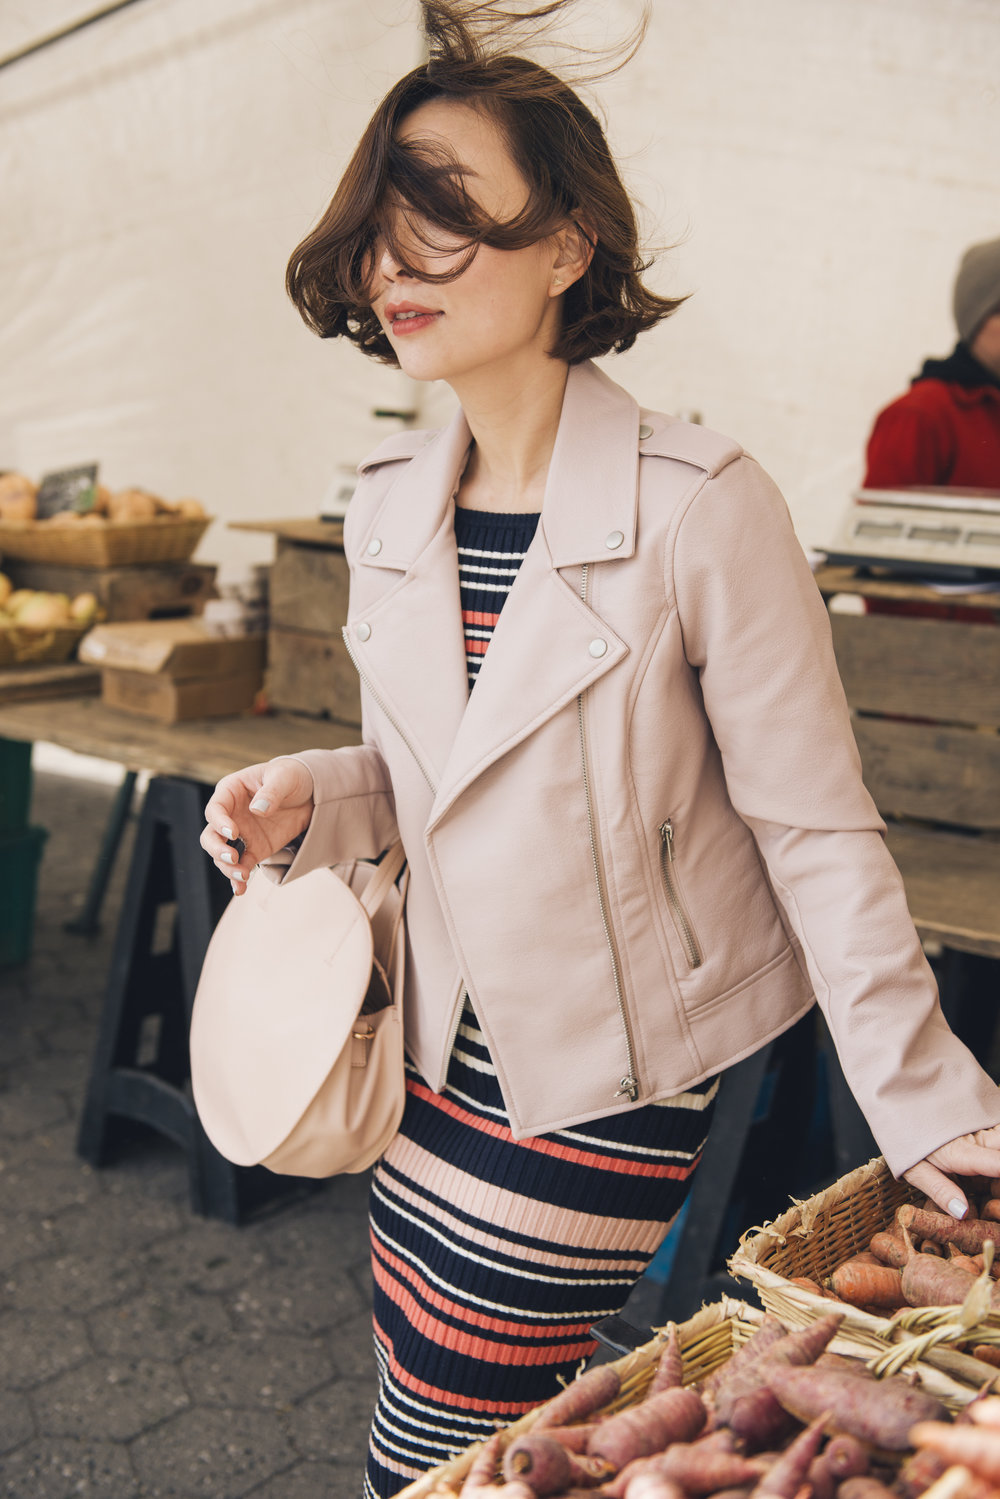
[141, 1070]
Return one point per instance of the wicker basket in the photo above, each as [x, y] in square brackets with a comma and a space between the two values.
[707, 1340]
[21, 645]
[107, 544]
[814, 1236]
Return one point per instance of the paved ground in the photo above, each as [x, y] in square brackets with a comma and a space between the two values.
[146, 1353]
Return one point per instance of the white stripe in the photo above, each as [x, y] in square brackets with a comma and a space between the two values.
[479, 1259]
[473, 632]
[404, 1397]
[472, 552]
[474, 1062]
[478, 587]
[469, 567]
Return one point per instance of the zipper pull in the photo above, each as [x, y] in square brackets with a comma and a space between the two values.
[629, 1087]
[667, 837]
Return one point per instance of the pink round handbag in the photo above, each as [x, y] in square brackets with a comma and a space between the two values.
[297, 1028]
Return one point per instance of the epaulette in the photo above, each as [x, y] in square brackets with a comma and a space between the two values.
[398, 448]
[686, 441]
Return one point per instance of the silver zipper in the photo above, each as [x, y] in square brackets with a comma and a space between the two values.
[629, 1085]
[390, 716]
[683, 923]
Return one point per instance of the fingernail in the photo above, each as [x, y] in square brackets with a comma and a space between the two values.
[957, 1208]
[260, 804]
[227, 832]
[237, 875]
[230, 855]
[236, 887]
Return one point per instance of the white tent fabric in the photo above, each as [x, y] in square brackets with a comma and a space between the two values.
[819, 167]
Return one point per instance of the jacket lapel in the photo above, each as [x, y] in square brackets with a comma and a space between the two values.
[548, 645]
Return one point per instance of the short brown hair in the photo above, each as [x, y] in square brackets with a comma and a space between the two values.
[561, 151]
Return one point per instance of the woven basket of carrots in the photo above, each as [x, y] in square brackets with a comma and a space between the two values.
[731, 1403]
[912, 1283]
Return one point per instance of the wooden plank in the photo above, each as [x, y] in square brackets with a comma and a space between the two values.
[202, 750]
[922, 668]
[58, 679]
[308, 589]
[312, 532]
[311, 673]
[952, 886]
[147, 591]
[931, 771]
[831, 580]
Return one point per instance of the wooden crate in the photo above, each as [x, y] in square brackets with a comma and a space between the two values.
[309, 670]
[154, 590]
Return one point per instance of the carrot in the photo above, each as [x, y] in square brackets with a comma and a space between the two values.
[890, 1249]
[846, 1457]
[805, 1284]
[970, 1446]
[830, 1360]
[670, 1416]
[573, 1438]
[874, 1285]
[864, 1487]
[931, 1282]
[820, 1479]
[670, 1369]
[769, 1332]
[789, 1473]
[597, 1387]
[965, 1261]
[758, 1420]
[652, 1486]
[877, 1411]
[991, 1209]
[546, 1465]
[987, 1353]
[697, 1471]
[479, 1479]
[970, 1234]
[920, 1470]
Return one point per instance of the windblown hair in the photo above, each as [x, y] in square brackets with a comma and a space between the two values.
[392, 185]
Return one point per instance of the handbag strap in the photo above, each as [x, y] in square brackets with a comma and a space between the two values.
[383, 879]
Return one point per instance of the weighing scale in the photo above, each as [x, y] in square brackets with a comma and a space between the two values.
[931, 533]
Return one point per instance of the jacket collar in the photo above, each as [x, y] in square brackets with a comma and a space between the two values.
[590, 496]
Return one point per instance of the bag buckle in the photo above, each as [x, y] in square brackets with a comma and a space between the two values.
[359, 1055]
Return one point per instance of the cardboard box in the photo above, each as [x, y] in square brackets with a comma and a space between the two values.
[178, 648]
[170, 699]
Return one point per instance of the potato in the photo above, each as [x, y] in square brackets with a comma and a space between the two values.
[6, 589]
[189, 509]
[17, 497]
[132, 505]
[83, 609]
[44, 610]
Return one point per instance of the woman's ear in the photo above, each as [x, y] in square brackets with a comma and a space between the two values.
[574, 252]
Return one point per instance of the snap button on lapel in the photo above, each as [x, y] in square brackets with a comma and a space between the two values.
[645, 432]
[374, 547]
[363, 631]
[598, 648]
[613, 540]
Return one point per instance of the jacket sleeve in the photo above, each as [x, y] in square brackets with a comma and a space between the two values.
[910, 443]
[757, 631]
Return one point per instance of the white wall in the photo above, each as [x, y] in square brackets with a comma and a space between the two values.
[822, 163]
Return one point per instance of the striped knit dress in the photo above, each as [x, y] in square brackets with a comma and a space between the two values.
[492, 1257]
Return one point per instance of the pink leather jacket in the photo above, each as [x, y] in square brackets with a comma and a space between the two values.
[643, 844]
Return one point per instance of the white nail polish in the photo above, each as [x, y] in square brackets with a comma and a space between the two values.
[957, 1208]
[260, 804]
[236, 887]
[231, 856]
[227, 832]
[238, 875]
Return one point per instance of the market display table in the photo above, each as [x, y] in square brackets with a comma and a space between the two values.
[48, 679]
[173, 897]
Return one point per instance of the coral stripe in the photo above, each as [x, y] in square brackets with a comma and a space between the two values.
[479, 617]
[381, 1255]
[449, 1397]
[549, 1147]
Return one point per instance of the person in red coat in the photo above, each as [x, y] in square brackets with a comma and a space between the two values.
[946, 429]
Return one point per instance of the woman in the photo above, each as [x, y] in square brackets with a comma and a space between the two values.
[639, 844]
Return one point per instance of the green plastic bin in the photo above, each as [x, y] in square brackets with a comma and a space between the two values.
[15, 785]
[20, 856]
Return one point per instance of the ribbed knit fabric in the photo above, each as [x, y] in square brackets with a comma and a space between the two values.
[493, 1257]
[491, 548]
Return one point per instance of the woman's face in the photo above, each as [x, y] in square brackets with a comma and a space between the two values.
[503, 309]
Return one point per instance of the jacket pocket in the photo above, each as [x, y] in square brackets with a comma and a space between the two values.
[668, 875]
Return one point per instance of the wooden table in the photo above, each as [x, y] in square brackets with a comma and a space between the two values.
[48, 679]
[202, 750]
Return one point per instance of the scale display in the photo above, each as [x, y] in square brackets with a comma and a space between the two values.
[943, 533]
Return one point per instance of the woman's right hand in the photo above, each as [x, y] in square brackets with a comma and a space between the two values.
[265, 806]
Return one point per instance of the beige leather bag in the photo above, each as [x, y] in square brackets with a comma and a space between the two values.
[297, 1030]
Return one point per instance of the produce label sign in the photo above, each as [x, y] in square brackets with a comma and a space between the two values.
[68, 489]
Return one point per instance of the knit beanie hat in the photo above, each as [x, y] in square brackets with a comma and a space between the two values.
[977, 288]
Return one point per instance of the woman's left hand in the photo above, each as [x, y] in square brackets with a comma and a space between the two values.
[977, 1154]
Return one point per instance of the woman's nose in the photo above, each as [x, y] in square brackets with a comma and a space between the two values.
[391, 268]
